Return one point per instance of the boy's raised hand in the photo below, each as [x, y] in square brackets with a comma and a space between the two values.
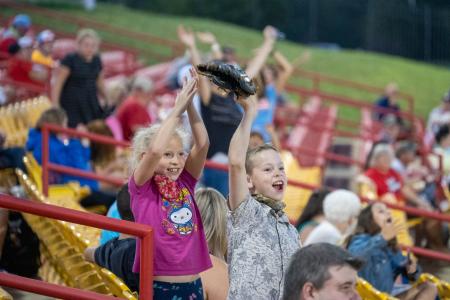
[185, 96]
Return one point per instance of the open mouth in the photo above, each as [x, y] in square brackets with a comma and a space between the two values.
[278, 185]
[173, 170]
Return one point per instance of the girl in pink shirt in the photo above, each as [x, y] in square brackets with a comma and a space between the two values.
[162, 196]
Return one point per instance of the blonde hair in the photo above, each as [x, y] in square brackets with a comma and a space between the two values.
[87, 33]
[143, 137]
[213, 210]
[54, 115]
[251, 154]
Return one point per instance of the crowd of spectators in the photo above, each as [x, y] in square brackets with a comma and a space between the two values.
[219, 234]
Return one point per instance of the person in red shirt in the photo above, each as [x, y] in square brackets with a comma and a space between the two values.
[388, 181]
[21, 69]
[133, 112]
[19, 27]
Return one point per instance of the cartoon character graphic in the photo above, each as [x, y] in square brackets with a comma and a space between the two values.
[181, 218]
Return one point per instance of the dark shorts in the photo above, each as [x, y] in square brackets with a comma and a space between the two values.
[179, 291]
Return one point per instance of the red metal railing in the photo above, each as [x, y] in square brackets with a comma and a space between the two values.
[144, 232]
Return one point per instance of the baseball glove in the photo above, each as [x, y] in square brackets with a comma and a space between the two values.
[228, 77]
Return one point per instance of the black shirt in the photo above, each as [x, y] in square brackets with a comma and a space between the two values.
[221, 117]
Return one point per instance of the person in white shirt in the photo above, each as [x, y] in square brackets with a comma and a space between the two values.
[341, 209]
[438, 117]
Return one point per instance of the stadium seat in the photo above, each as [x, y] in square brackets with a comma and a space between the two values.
[367, 292]
[65, 258]
[442, 286]
[4, 295]
[295, 197]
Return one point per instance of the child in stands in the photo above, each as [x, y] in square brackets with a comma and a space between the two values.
[375, 241]
[261, 239]
[162, 196]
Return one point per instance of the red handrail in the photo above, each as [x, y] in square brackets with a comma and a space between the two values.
[144, 232]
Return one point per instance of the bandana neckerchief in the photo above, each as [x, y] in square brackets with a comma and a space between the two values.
[169, 189]
[276, 205]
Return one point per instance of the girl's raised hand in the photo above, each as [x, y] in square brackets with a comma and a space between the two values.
[185, 96]
[250, 104]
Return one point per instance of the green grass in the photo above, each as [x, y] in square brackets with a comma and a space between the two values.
[425, 82]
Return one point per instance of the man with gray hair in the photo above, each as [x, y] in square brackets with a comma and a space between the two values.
[321, 272]
[341, 209]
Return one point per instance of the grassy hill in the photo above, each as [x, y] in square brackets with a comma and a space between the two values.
[426, 83]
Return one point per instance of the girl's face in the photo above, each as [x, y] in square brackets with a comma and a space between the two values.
[88, 47]
[445, 142]
[381, 214]
[268, 177]
[173, 160]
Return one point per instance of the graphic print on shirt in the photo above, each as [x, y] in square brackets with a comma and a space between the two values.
[393, 184]
[179, 215]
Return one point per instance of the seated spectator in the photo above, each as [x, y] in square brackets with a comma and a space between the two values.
[213, 210]
[341, 209]
[442, 148]
[312, 214]
[390, 131]
[22, 69]
[19, 27]
[322, 272]
[387, 180]
[375, 242]
[387, 104]
[413, 173]
[438, 117]
[390, 187]
[132, 113]
[117, 254]
[67, 152]
[43, 53]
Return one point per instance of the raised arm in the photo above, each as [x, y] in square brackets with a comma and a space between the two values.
[237, 152]
[61, 77]
[158, 145]
[255, 64]
[285, 71]
[196, 160]
[187, 37]
[210, 39]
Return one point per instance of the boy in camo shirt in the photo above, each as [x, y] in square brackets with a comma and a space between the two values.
[261, 239]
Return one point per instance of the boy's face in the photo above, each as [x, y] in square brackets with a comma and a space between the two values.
[268, 177]
[173, 160]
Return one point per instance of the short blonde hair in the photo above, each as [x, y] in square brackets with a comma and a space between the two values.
[213, 210]
[87, 33]
[251, 154]
[143, 137]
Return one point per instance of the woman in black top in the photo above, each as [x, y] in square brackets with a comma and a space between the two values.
[79, 79]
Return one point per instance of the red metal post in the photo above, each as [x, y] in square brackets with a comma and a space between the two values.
[146, 268]
[45, 159]
[84, 174]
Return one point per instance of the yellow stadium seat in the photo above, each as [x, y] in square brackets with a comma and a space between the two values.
[116, 285]
[295, 197]
[4, 295]
[442, 286]
[367, 292]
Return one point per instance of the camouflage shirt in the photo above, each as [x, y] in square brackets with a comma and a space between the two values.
[260, 245]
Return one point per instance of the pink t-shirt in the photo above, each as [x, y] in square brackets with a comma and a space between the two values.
[179, 239]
